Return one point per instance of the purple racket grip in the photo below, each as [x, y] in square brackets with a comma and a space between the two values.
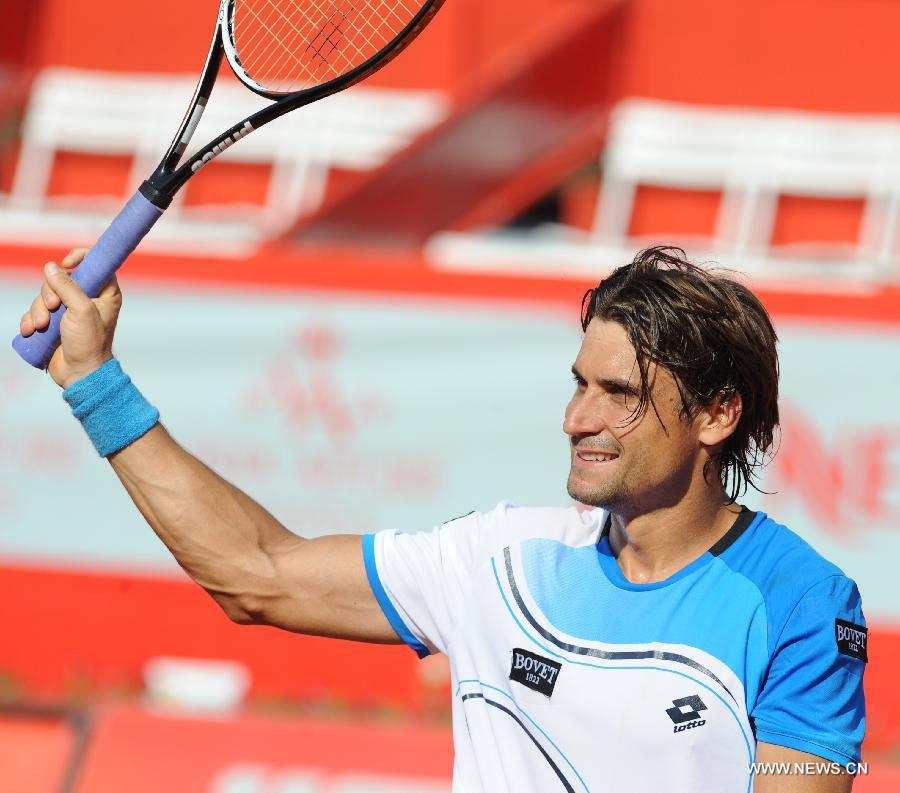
[114, 247]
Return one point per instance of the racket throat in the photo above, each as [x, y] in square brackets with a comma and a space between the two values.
[227, 142]
[160, 197]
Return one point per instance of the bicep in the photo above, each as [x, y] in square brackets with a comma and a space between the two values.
[781, 769]
[321, 588]
[387, 587]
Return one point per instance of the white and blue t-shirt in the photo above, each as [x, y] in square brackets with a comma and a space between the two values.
[566, 676]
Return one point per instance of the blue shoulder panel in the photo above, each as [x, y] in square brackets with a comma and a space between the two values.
[571, 589]
[766, 606]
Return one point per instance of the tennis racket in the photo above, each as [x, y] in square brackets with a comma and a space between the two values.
[292, 52]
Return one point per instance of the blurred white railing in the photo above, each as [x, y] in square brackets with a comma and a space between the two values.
[751, 157]
[136, 115]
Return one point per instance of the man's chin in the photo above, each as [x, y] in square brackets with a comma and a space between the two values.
[590, 496]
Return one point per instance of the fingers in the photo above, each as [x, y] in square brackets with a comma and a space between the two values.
[59, 283]
[111, 290]
[56, 289]
[73, 258]
[50, 298]
[26, 324]
[69, 262]
[38, 315]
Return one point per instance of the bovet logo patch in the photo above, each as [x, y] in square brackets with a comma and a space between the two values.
[534, 671]
[852, 640]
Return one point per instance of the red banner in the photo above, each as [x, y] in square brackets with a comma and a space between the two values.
[36, 750]
[141, 752]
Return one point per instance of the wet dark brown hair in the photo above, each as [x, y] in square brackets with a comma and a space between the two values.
[714, 336]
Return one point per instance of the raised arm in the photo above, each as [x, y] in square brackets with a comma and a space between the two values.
[256, 569]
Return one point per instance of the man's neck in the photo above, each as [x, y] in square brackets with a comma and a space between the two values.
[654, 545]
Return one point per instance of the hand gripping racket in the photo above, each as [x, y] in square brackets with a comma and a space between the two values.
[290, 51]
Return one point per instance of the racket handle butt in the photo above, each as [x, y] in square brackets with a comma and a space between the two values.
[38, 348]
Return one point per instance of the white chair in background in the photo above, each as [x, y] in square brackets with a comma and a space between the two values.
[135, 116]
[752, 157]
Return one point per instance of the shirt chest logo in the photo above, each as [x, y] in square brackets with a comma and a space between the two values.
[685, 713]
[534, 671]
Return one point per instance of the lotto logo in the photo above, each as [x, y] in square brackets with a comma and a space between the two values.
[685, 713]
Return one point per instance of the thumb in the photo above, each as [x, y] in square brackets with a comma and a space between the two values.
[71, 294]
[110, 292]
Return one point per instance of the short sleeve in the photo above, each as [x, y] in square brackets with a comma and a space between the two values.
[812, 697]
[422, 580]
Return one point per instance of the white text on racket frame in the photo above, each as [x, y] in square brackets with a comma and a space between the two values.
[216, 150]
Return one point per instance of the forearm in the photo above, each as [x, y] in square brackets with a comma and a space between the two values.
[785, 781]
[221, 537]
[255, 568]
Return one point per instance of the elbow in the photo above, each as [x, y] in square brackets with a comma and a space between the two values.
[249, 609]
[258, 595]
[240, 617]
[290, 614]
[241, 610]
[248, 594]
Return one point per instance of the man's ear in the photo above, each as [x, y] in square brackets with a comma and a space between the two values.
[719, 419]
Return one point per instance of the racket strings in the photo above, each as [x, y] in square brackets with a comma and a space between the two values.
[281, 60]
[280, 64]
[323, 54]
[288, 45]
[265, 37]
[270, 43]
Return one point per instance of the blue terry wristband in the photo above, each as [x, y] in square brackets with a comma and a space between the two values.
[110, 408]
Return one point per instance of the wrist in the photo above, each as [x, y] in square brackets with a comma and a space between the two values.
[85, 370]
[112, 411]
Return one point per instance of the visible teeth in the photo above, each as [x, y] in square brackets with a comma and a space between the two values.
[597, 457]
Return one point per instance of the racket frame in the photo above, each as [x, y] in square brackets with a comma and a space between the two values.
[171, 174]
[146, 206]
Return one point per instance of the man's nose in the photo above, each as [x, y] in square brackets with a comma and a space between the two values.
[582, 417]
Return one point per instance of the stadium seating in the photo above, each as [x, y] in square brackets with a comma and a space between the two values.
[109, 115]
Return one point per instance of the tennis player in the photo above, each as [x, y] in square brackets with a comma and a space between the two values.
[665, 640]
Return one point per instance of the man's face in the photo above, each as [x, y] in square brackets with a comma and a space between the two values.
[629, 464]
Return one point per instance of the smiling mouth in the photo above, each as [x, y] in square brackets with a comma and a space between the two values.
[596, 457]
